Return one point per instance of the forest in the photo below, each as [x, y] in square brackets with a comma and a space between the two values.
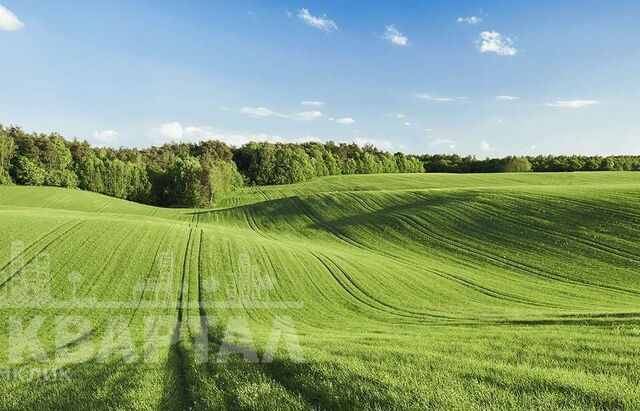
[200, 174]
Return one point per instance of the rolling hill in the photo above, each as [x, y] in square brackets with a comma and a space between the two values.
[367, 291]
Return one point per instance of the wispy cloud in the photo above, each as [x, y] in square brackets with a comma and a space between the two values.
[346, 120]
[431, 97]
[319, 22]
[307, 115]
[440, 142]
[260, 112]
[494, 42]
[8, 20]
[507, 98]
[394, 36]
[470, 20]
[312, 103]
[573, 103]
[264, 112]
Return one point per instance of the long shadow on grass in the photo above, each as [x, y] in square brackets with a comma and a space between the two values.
[317, 385]
[323, 391]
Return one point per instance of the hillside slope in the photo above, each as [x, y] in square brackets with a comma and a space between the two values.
[402, 291]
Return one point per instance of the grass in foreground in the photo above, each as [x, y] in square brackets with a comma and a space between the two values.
[402, 291]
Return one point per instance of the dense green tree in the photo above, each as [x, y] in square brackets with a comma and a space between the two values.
[184, 182]
[265, 163]
[516, 165]
[217, 179]
[91, 173]
[7, 151]
[27, 172]
[317, 154]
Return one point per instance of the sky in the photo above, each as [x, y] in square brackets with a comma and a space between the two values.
[486, 78]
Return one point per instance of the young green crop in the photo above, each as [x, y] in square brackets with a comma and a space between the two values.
[380, 292]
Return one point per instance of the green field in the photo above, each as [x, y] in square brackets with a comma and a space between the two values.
[504, 291]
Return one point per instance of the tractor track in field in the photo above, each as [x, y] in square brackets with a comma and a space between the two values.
[357, 198]
[105, 205]
[33, 243]
[204, 324]
[612, 251]
[148, 277]
[416, 225]
[93, 330]
[622, 211]
[451, 277]
[367, 300]
[327, 228]
[551, 232]
[177, 348]
[587, 242]
[60, 286]
[521, 266]
[46, 246]
[447, 241]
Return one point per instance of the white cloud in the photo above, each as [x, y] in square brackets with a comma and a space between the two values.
[470, 20]
[487, 147]
[443, 142]
[381, 144]
[8, 20]
[308, 115]
[407, 123]
[168, 131]
[312, 103]
[346, 120]
[494, 42]
[399, 115]
[105, 136]
[507, 98]
[321, 23]
[176, 131]
[427, 96]
[394, 36]
[573, 103]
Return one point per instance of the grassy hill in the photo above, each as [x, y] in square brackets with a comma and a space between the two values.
[402, 291]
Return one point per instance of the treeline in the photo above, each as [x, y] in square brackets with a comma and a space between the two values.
[198, 175]
[181, 174]
[444, 163]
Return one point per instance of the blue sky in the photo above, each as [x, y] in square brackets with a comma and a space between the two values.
[488, 78]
